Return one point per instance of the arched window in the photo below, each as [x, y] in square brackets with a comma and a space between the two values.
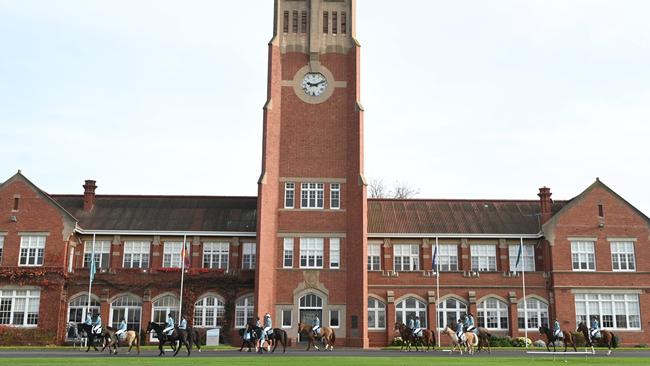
[376, 314]
[493, 314]
[128, 307]
[78, 306]
[208, 312]
[450, 310]
[311, 301]
[244, 311]
[410, 308]
[537, 313]
[162, 306]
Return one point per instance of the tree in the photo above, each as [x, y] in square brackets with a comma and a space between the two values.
[400, 190]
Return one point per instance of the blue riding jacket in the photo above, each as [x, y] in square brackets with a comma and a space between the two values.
[89, 320]
[183, 324]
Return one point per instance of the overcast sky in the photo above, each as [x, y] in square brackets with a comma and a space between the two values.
[463, 99]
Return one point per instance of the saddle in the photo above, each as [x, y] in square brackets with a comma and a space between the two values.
[98, 331]
[269, 332]
[418, 334]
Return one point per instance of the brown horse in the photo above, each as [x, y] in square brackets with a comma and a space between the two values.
[130, 339]
[326, 334]
[551, 338]
[483, 337]
[427, 339]
[471, 341]
[607, 338]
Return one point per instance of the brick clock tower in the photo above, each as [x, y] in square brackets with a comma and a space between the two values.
[312, 210]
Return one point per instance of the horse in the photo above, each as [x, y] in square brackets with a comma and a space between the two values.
[326, 334]
[250, 342]
[484, 339]
[551, 338]
[471, 340]
[177, 335]
[427, 339]
[72, 333]
[92, 338]
[607, 338]
[131, 338]
[276, 336]
[407, 336]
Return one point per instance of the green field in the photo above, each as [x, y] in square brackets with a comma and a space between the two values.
[310, 361]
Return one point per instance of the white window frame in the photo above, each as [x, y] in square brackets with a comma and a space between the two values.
[172, 254]
[583, 253]
[136, 249]
[289, 195]
[376, 310]
[527, 257]
[623, 254]
[403, 311]
[32, 250]
[216, 255]
[338, 318]
[130, 304]
[102, 253]
[406, 257]
[484, 257]
[209, 312]
[290, 318]
[312, 195]
[617, 304]
[537, 313]
[244, 311]
[447, 257]
[446, 312]
[287, 253]
[335, 253]
[80, 302]
[374, 257]
[163, 306]
[23, 302]
[335, 196]
[2, 243]
[492, 307]
[311, 252]
[249, 256]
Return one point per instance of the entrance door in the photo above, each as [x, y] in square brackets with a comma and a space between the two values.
[307, 316]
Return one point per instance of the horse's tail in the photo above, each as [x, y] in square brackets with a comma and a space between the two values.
[195, 336]
[284, 341]
[137, 342]
[333, 338]
[475, 343]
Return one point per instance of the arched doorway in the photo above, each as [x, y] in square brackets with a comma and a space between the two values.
[310, 305]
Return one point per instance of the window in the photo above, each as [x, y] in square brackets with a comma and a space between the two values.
[335, 196]
[136, 254]
[376, 314]
[447, 257]
[374, 255]
[248, 257]
[78, 308]
[449, 311]
[335, 252]
[288, 253]
[601, 211]
[243, 311]
[527, 261]
[616, 311]
[325, 22]
[484, 257]
[311, 301]
[289, 195]
[623, 256]
[163, 306]
[493, 314]
[583, 256]
[410, 308]
[102, 253]
[2, 243]
[334, 318]
[285, 22]
[311, 252]
[215, 255]
[32, 249]
[16, 203]
[407, 257]
[294, 23]
[286, 318]
[335, 23]
[128, 307]
[303, 23]
[344, 23]
[172, 254]
[537, 313]
[209, 312]
[311, 195]
[19, 307]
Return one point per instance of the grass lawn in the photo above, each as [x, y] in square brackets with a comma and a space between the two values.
[309, 361]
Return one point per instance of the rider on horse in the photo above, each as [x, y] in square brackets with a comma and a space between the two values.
[469, 323]
[315, 323]
[460, 333]
[418, 327]
[97, 324]
[557, 332]
[169, 326]
[594, 332]
[89, 319]
[183, 324]
[121, 329]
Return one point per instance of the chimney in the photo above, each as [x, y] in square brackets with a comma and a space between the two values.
[89, 195]
[545, 203]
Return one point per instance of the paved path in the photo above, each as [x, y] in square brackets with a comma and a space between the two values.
[346, 352]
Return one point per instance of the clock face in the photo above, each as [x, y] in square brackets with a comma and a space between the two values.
[314, 84]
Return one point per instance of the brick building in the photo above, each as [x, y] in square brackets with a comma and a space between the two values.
[311, 242]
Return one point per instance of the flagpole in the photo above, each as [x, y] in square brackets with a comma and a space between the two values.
[523, 285]
[91, 274]
[183, 254]
[437, 290]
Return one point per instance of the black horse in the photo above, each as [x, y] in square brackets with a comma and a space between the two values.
[94, 340]
[274, 336]
[551, 338]
[177, 335]
[249, 341]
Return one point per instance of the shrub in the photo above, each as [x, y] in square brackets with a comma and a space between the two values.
[397, 341]
[579, 339]
[641, 345]
[522, 342]
[12, 336]
[497, 341]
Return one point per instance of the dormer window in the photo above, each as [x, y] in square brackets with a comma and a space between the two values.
[335, 23]
[294, 24]
[303, 23]
[285, 22]
[326, 19]
[344, 23]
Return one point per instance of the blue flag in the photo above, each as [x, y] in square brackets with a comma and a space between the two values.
[434, 261]
[93, 267]
[521, 247]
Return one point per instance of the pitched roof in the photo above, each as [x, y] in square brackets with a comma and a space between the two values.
[415, 216]
[164, 213]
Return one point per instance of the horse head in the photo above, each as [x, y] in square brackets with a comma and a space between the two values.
[152, 326]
